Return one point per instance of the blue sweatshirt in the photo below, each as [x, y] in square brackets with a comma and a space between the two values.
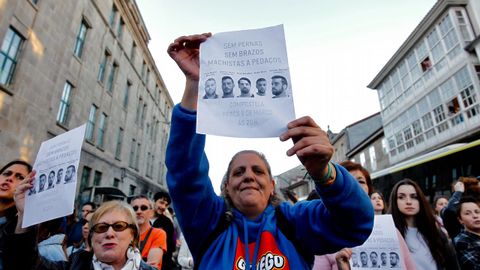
[342, 218]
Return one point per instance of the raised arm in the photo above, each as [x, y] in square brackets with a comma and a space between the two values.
[312, 147]
[185, 51]
[344, 215]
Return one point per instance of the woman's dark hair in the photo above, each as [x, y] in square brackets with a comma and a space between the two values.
[424, 220]
[384, 211]
[435, 200]
[19, 162]
[352, 166]
[466, 199]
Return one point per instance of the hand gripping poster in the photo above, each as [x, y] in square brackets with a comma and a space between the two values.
[244, 87]
[382, 248]
[56, 166]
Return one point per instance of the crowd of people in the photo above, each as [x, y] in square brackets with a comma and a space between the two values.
[248, 226]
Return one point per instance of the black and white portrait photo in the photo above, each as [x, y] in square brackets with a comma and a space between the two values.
[70, 175]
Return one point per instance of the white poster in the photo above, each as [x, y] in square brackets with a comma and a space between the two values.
[53, 194]
[245, 88]
[381, 250]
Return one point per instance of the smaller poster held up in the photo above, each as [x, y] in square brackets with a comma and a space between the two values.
[53, 193]
[244, 87]
[381, 250]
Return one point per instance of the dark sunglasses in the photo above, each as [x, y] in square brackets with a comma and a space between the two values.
[118, 226]
[142, 207]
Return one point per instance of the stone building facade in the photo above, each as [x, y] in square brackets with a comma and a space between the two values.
[70, 62]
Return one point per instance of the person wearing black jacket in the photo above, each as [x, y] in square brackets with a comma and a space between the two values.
[162, 201]
[10, 177]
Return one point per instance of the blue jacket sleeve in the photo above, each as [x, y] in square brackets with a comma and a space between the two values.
[343, 217]
[197, 207]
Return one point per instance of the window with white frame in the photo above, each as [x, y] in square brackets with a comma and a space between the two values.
[407, 133]
[470, 102]
[439, 115]
[417, 131]
[12, 43]
[400, 141]
[428, 125]
[64, 108]
[463, 25]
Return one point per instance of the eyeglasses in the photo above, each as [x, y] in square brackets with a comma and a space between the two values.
[118, 226]
[142, 207]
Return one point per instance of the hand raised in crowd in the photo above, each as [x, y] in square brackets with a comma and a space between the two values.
[311, 145]
[185, 51]
[19, 197]
[20, 191]
[459, 186]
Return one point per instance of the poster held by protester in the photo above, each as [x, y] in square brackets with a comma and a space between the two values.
[244, 87]
[381, 250]
[56, 166]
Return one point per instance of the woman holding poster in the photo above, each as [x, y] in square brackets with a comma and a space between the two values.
[244, 229]
[340, 260]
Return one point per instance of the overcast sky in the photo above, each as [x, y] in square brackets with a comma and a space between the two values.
[335, 48]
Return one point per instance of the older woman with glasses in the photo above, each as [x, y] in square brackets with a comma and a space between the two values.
[113, 237]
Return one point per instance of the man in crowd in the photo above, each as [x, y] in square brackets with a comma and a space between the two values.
[153, 241]
[74, 234]
[244, 85]
[227, 87]
[261, 86]
[162, 201]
